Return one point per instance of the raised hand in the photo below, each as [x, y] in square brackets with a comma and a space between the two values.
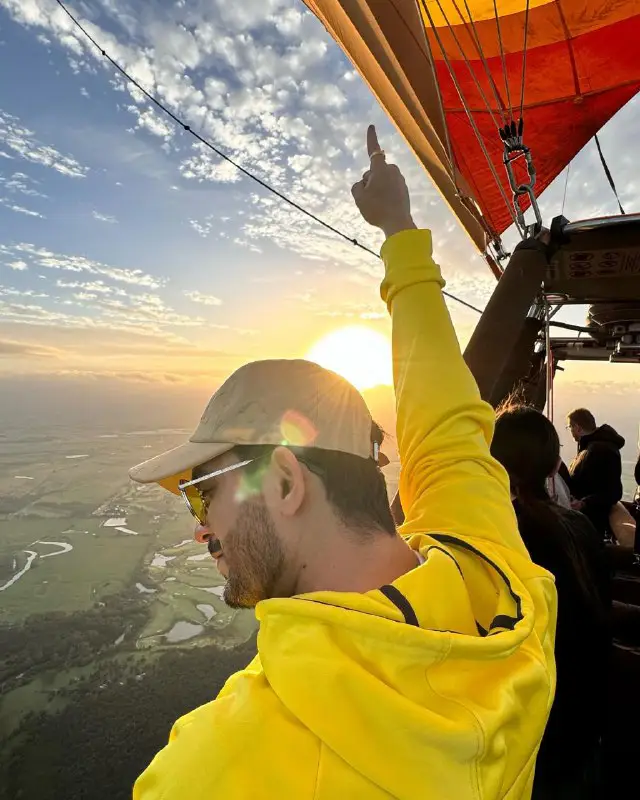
[382, 195]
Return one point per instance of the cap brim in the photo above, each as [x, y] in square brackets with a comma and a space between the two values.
[169, 468]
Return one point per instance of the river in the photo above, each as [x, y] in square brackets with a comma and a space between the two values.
[65, 547]
[31, 557]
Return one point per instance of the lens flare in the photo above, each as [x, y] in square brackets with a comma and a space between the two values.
[297, 430]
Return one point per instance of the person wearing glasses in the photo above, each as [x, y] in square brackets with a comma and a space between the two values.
[596, 471]
[411, 664]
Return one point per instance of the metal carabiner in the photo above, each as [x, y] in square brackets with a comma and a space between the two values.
[525, 189]
[514, 148]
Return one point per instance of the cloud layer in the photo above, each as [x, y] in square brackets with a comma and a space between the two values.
[89, 200]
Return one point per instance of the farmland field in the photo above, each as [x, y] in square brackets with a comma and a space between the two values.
[101, 586]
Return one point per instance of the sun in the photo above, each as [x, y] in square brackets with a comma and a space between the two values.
[359, 354]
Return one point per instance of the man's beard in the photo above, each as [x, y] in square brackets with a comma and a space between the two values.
[254, 556]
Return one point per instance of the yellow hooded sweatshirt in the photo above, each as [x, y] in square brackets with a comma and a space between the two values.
[438, 686]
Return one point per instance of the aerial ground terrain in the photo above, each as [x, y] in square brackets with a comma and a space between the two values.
[111, 618]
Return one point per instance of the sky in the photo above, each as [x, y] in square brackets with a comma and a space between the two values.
[134, 262]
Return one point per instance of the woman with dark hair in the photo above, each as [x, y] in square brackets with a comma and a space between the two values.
[565, 543]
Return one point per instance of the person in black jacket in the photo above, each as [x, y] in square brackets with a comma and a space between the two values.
[564, 542]
[596, 472]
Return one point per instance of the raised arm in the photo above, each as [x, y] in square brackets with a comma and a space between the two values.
[449, 482]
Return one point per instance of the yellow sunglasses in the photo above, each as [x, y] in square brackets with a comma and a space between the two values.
[195, 499]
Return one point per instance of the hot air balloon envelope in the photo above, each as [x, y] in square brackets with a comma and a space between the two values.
[449, 73]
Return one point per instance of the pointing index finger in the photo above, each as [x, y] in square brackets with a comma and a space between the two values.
[373, 146]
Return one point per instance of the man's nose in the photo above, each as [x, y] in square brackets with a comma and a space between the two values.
[202, 534]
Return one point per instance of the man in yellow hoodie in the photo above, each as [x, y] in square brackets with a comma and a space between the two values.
[413, 666]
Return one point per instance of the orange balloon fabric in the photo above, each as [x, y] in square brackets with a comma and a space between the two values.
[582, 65]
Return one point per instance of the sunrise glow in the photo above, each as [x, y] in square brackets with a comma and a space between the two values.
[359, 354]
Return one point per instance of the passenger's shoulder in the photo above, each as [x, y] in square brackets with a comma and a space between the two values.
[219, 748]
[602, 448]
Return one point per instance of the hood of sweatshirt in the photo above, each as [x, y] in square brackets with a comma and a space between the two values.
[605, 434]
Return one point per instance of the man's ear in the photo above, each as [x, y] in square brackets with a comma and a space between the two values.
[287, 488]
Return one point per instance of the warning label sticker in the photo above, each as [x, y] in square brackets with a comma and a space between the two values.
[599, 264]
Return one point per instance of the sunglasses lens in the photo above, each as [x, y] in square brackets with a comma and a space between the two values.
[195, 504]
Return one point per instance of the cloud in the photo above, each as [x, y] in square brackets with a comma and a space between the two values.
[264, 84]
[323, 97]
[4, 201]
[263, 81]
[108, 376]
[96, 287]
[10, 292]
[204, 166]
[203, 228]
[153, 122]
[209, 224]
[304, 297]
[103, 217]
[10, 348]
[96, 296]
[204, 299]
[22, 142]
[20, 183]
[97, 305]
[149, 308]
[249, 80]
[41, 257]
[339, 309]
[136, 314]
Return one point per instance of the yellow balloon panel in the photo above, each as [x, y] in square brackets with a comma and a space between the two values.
[452, 12]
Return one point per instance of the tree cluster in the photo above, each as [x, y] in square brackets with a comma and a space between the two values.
[58, 641]
[112, 725]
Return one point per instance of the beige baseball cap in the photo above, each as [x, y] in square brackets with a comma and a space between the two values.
[278, 402]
